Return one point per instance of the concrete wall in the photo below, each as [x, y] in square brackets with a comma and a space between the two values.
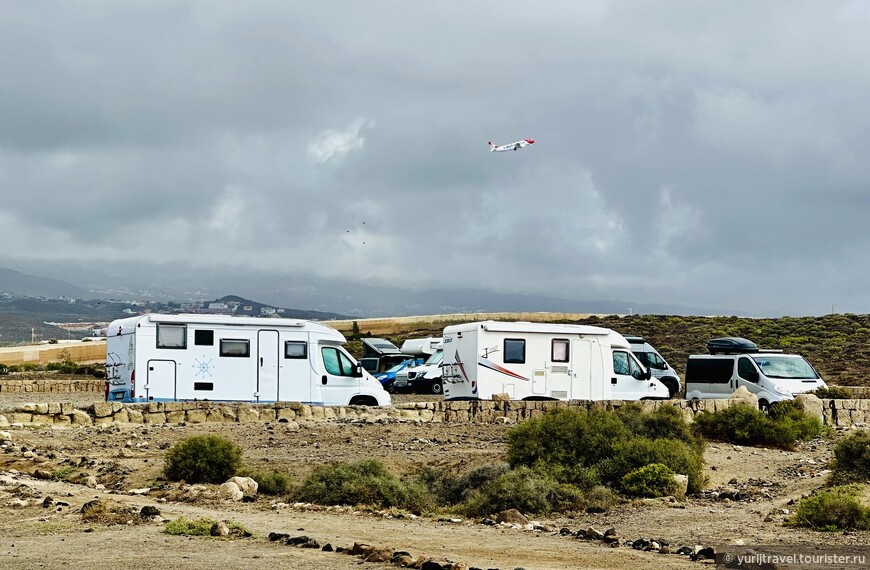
[835, 413]
[93, 351]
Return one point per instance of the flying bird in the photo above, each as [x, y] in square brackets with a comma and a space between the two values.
[513, 146]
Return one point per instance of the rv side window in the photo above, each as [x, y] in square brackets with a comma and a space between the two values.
[235, 348]
[514, 351]
[203, 338]
[559, 350]
[296, 349]
[336, 362]
[171, 336]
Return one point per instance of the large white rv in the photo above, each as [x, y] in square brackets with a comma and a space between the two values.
[539, 361]
[214, 357]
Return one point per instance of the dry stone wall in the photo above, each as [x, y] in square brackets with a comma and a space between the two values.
[835, 413]
[23, 384]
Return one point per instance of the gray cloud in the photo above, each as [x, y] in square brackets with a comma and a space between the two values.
[687, 152]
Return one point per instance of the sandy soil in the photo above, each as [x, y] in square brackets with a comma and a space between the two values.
[131, 458]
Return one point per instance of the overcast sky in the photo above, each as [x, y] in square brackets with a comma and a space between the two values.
[711, 154]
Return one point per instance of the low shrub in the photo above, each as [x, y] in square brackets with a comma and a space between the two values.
[203, 459]
[744, 424]
[599, 499]
[632, 454]
[183, 526]
[652, 480]
[449, 489]
[837, 508]
[526, 490]
[363, 483]
[62, 473]
[271, 482]
[833, 393]
[852, 458]
[107, 513]
[585, 449]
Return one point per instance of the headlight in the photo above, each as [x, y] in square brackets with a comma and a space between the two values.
[421, 375]
[782, 390]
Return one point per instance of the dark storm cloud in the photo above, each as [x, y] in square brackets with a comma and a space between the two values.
[687, 152]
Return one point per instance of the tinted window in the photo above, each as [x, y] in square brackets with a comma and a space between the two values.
[746, 370]
[235, 348]
[203, 338]
[559, 350]
[514, 351]
[709, 370]
[171, 336]
[295, 349]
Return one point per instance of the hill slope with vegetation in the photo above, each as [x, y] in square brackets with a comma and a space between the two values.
[837, 345]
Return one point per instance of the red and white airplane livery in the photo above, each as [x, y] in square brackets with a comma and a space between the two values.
[513, 146]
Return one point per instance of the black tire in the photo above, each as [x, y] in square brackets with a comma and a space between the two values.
[764, 406]
[436, 387]
[671, 386]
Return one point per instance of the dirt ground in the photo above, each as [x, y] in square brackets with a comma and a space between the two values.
[747, 499]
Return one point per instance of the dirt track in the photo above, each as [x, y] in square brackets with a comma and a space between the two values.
[131, 457]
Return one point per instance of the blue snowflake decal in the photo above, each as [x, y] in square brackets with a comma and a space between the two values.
[204, 368]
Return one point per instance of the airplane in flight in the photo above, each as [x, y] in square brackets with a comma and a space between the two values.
[513, 146]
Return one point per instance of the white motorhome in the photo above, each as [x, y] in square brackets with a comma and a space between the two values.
[222, 358]
[538, 361]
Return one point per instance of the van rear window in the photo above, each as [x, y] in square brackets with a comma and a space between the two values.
[709, 370]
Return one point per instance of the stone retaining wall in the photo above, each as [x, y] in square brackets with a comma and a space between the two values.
[835, 413]
[53, 384]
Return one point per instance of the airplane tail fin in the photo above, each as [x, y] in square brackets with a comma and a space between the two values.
[491, 146]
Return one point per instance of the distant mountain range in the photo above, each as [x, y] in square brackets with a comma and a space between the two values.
[178, 283]
[19, 283]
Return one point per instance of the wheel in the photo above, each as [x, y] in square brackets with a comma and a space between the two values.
[671, 386]
[388, 386]
[764, 406]
[436, 386]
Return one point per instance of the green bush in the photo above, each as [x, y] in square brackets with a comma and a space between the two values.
[637, 452]
[271, 482]
[586, 449]
[526, 490]
[744, 424]
[600, 499]
[448, 489]
[203, 459]
[837, 508]
[62, 473]
[363, 483]
[852, 458]
[833, 393]
[652, 480]
[183, 526]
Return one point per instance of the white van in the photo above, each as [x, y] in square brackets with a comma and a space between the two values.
[659, 367]
[734, 362]
[243, 359]
[541, 361]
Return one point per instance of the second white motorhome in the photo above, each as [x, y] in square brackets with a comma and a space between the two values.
[541, 361]
[213, 357]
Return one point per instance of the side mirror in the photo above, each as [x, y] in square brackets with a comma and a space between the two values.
[753, 376]
[357, 370]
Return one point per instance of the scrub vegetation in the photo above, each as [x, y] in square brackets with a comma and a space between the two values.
[203, 459]
[747, 425]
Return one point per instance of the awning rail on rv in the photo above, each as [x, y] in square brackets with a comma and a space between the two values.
[549, 328]
[227, 320]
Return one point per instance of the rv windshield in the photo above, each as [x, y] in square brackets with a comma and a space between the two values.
[779, 366]
[436, 358]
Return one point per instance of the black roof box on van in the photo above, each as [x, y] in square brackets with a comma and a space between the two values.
[731, 345]
[634, 339]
